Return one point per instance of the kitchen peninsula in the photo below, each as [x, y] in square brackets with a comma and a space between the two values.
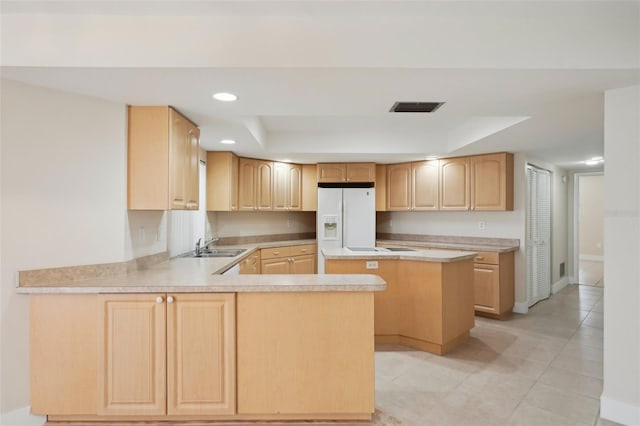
[179, 342]
[429, 300]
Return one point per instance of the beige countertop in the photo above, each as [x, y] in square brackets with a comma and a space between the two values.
[457, 245]
[426, 255]
[201, 275]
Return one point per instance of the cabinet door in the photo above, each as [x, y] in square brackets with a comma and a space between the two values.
[332, 172]
[492, 182]
[264, 185]
[251, 265]
[280, 186]
[424, 185]
[381, 187]
[132, 355]
[486, 287]
[454, 184]
[275, 266]
[179, 146]
[295, 187]
[309, 187]
[193, 180]
[201, 354]
[399, 187]
[303, 264]
[222, 181]
[361, 172]
[247, 184]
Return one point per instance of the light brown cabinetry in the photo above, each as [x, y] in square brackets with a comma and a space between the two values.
[255, 185]
[454, 184]
[493, 282]
[287, 186]
[251, 264]
[427, 305]
[492, 182]
[322, 362]
[222, 181]
[412, 186]
[381, 187]
[309, 187]
[289, 260]
[162, 159]
[133, 354]
[346, 172]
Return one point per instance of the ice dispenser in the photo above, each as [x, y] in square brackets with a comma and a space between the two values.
[330, 227]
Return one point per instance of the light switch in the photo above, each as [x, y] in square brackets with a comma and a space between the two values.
[372, 264]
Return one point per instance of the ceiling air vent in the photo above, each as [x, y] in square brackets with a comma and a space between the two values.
[415, 106]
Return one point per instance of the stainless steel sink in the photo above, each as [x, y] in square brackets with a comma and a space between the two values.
[219, 253]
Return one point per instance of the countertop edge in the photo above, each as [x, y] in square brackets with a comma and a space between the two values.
[451, 246]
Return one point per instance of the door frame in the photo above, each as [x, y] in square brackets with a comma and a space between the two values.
[575, 258]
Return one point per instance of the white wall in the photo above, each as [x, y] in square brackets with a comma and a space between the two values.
[497, 224]
[240, 224]
[591, 212]
[63, 191]
[620, 399]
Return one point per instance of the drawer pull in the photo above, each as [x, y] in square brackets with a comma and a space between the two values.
[479, 257]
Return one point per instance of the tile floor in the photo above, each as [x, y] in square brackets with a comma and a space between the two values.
[539, 369]
[543, 368]
[591, 273]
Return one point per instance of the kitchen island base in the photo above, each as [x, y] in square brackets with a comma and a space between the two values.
[203, 357]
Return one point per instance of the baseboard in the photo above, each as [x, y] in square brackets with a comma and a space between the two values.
[559, 285]
[573, 280]
[21, 417]
[619, 412]
[520, 308]
[592, 257]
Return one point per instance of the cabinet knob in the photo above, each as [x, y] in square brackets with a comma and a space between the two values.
[170, 299]
[159, 299]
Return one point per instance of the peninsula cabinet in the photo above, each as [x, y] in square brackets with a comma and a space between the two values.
[137, 355]
[493, 282]
[412, 186]
[162, 159]
[289, 260]
[492, 182]
[287, 186]
[346, 172]
[222, 181]
[255, 185]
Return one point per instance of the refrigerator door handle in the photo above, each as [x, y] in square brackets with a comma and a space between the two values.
[343, 209]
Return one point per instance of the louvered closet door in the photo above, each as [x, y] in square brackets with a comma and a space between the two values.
[538, 238]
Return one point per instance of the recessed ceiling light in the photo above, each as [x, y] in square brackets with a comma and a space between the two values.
[286, 160]
[592, 162]
[228, 141]
[597, 159]
[225, 97]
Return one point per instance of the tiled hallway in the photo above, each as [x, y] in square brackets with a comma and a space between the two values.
[544, 368]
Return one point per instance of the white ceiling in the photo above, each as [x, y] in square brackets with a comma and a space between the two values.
[316, 79]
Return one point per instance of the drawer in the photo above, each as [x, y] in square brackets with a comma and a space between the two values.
[304, 249]
[487, 257]
[275, 252]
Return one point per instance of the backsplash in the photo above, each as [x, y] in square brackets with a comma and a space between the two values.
[243, 224]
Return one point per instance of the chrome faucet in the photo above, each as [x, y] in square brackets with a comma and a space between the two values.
[205, 246]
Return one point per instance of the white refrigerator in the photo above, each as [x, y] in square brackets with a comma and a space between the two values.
[346, 217]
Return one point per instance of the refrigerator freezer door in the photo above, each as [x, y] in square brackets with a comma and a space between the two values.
[359, 217]
[329, 223]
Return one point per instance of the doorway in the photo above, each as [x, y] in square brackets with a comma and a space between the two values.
[538, 234]
[589, 229]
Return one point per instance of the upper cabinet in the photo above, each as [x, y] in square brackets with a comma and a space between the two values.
[346, 172]
[222, 181]
[412, 186]
[492, 182]
[454, 184]
[287, 186]
[255, 184]
[381, 187]
[162, 159]
[309, 187]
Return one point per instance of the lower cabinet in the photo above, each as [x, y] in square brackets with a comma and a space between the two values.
[251, 264]
[133, 354]
[493, 282]
[289, 260]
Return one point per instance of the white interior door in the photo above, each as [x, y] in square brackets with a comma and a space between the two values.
[538, 238]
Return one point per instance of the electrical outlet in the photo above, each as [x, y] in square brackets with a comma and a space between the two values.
[372, 264]
[141, 233]
[481, 224]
